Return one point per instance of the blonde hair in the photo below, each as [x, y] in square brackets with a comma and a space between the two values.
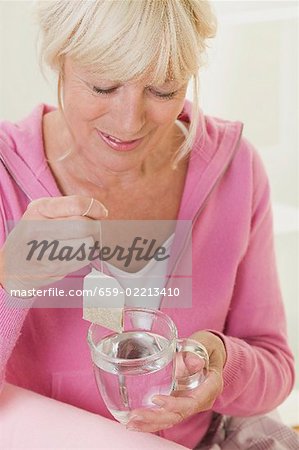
[165, 39]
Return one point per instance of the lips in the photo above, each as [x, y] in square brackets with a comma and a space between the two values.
[118, 144]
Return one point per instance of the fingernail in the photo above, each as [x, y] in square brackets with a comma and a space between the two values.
[158, 401]
[136, 417]
[104, 209]
[34, 203]
[132, 428]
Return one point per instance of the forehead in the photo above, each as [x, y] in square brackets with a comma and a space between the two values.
[96, 77]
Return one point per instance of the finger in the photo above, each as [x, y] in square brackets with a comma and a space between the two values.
[25, 284]
[151, 420]
[68, 206]
[149, 427]
[185, 404]
[215, 377]
[204, 395]
[193, 363]
[194, 400]
[49, 264]
[68, 256]
[186, 364]
[179, 406]
[60, 228]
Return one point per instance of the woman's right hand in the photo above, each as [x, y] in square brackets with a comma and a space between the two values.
[49, 219]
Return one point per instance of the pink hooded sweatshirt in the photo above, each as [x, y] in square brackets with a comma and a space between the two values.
[235, 288]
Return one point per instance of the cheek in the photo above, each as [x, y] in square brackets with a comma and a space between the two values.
[84, 117]
[81, 106]
[167, 114]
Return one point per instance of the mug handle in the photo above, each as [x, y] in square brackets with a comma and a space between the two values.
[194, 380]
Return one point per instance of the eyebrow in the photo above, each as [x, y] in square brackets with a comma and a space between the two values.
[173, 85]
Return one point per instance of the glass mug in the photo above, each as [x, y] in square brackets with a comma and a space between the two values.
[133, 366]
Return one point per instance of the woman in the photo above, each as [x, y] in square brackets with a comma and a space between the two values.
[124, 144]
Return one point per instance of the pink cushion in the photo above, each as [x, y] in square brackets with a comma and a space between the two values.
[30, 420]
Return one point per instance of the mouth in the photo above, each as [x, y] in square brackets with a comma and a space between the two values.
[118, 144]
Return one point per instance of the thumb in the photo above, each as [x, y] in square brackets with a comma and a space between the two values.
[69, 206]
[193, 363]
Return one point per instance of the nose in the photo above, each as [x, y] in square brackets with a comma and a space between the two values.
[131, 112]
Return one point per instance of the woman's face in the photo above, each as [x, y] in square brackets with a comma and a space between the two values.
[119, 125]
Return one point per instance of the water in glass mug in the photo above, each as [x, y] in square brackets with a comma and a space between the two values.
[128, 387]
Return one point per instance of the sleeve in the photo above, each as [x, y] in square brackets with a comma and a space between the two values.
[259, 371]
[13, 311]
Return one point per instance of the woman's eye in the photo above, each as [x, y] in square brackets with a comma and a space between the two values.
[98, 90]
[166, 96]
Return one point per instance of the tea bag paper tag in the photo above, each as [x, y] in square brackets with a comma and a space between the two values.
[103, 300]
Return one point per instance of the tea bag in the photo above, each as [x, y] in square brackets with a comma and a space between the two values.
[140, 346]
[98, 305]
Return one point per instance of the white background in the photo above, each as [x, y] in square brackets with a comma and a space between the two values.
[252, 76]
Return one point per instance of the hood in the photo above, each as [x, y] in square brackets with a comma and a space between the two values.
[21, 152]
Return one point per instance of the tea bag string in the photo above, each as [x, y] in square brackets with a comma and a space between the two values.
[61, 157]
[101, 246]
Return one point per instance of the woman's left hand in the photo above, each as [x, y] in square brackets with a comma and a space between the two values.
[180, 405]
